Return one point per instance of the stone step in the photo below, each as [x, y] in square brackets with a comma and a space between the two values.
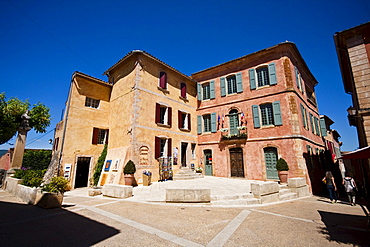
[250, 201]
[284, 191]
[184, 174]
[288, 196]
[231, 197]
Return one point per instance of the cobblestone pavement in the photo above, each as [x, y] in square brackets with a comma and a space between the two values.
[102, 221]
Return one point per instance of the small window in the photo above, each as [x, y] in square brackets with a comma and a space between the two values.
[163, 80]
[93, 103]
[184, 120]
[263, 76]
[183, 90]
[100, 136]
[266, 114]
[163, 147]
[206, 91]
[231, 84]
[207, 123]
[163, 114]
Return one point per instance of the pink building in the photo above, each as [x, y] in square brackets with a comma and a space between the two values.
[256, 109]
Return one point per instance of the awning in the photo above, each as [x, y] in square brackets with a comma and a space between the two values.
[362, 153]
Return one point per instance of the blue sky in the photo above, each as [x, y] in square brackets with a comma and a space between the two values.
[43, 42]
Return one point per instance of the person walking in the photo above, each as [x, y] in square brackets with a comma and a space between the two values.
[350, 187]
[330, 185]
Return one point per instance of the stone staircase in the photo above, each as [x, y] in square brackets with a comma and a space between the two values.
[243, 199]
[186, 173]
[285, 193]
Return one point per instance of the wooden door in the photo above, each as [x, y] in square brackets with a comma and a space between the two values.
[236, 162]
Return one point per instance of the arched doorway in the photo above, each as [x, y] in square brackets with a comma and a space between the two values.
[270, 160]
[236, 162]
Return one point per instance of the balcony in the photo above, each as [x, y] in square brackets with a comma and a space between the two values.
[239, 133]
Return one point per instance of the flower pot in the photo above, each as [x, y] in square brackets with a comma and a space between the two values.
[283, 176]
[129, 179]
[50, 200]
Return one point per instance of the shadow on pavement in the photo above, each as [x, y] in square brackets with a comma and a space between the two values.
[27, 225]
[345, 228]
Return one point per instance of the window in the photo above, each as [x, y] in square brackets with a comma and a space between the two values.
[193, 145]
[262, 76]
[233, 121]
[55, 145]
[163, 147]
[298, 79]
[304, 117]
[311, 96]
[206, 90]
[183, 90]
[231, 84]
[163, 115]
[207, 123]
[184, 120]
[100, 136]
[93, 103]
[163, 80]
[267, 114]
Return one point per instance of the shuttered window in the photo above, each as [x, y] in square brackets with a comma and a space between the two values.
[231, 84]
[183, 90]
[100, 136]
[163, 80]
[163, 114]
[267, 114]
[263, 76]
[184, 121]
[207, 123]
[323, 127]
[163, 147]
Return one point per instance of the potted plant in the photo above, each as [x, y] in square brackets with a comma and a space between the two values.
[52, 193]
[282, 168]
[129, 171]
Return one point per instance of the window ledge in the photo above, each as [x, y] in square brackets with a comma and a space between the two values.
[268, 126]
[184, 99]
[187, 130]
[164, 125]
[164, 90]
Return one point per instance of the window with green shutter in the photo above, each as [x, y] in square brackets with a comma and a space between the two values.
[207, 123]
[267, 114]
[263, 76]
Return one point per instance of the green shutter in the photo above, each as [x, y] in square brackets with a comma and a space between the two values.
[311, 122]
[317, 132]
[252, 79]
[199, 124]
[256, 116]
[277, 113]
[212, 89]
[239, 83]
[303, 116]
[272, 74]
[199, 87]
[213, 123]
[296, 77]
[223, 89]
[323, 127]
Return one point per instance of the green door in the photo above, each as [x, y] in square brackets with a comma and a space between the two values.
[234, 122]
[270, 160]
[208, 162]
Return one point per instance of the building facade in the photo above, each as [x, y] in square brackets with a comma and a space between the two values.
[235, 119]
[256, 109]
[353, 50]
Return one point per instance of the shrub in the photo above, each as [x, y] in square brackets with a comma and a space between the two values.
[33, 178]
[281, 165]
[37, 159]
[99, 166]
[56, 185]
[129, 168]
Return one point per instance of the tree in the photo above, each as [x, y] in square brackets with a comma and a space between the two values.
[10, 117]
[37, 159]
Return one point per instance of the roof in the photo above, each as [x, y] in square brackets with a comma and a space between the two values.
[362, 153]
[290, 45]
[139, 52]
[77, 73]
